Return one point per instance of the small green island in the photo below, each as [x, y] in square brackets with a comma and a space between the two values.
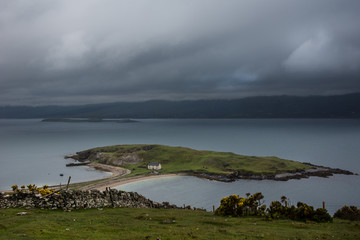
[221, 166]
[91, 120]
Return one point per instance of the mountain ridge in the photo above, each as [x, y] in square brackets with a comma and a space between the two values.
[284, 106]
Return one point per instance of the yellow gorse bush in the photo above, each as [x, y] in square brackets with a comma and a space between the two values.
[32, 188]
[235, 206]
[238, 206]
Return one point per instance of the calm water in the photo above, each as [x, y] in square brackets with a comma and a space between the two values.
[32, 151]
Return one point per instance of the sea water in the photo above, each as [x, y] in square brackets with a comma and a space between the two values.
[32, 151]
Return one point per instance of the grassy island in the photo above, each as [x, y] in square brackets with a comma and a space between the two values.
[211, 164]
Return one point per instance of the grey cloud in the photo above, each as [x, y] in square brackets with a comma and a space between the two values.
[71, 52]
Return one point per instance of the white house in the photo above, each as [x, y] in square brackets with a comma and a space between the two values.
[154, 166]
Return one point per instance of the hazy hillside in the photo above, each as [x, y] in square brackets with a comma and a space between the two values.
[342, 106]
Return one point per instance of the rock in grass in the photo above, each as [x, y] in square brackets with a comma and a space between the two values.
[21, 213]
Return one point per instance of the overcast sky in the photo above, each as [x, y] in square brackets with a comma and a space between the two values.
[94, 51]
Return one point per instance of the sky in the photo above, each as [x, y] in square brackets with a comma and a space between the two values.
[66, 52]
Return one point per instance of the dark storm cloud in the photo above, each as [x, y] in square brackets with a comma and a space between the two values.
[73, 52]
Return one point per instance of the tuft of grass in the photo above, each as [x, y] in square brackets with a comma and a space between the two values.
[130, 223]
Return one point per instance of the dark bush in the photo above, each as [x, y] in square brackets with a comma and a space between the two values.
[350, 213]
[235, 206]
[321, 215]
[276, 209]
[304, 212]
[230, 206]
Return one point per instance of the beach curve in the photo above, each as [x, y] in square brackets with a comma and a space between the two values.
[116, 177]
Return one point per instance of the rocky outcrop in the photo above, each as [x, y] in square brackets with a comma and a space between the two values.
[76, 199]
[317, 171]
[121, 158]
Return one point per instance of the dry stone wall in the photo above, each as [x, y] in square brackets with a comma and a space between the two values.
[76, 199]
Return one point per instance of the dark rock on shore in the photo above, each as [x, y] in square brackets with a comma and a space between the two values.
[75, 157]
[77, 164]
[317, 171]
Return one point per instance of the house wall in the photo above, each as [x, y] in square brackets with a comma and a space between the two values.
[155, 167]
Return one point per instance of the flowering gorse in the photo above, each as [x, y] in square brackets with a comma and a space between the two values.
[236, 206]
[32, 188]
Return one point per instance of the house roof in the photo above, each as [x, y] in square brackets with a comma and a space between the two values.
[154, 164]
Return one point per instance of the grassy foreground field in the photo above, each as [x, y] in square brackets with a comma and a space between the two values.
[129, 223]
[186, 160]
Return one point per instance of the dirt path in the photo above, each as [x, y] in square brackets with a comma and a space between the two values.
[114, 180]
[115, 171]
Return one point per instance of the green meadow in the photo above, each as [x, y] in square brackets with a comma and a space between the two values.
[133, 223]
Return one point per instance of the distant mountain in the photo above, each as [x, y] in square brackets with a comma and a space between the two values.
[339, 106]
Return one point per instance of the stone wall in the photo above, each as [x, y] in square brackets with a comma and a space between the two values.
[76, 199]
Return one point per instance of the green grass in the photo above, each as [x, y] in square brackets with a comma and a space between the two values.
[180, 159]
[129, 223]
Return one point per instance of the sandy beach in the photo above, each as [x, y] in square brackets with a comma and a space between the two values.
[113, 180]
[118, 182]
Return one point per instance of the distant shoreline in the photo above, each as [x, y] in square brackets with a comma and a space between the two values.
[91, 120]
[278, 106]
[123, 181]
[117, 178]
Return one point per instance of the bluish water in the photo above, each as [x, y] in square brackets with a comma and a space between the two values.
[202, 193]
[32, 151]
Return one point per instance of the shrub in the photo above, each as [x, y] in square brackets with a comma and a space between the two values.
[235, 206]
[278, 210]
[304, 212]
[230, 205]
[301, 212]
[321, 215]
[350, 213]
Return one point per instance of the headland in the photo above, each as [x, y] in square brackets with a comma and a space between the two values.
[129, 163]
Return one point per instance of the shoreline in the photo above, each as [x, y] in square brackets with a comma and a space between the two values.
[118, 177]
[115, 171]
[123, 181]
[114, 180]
